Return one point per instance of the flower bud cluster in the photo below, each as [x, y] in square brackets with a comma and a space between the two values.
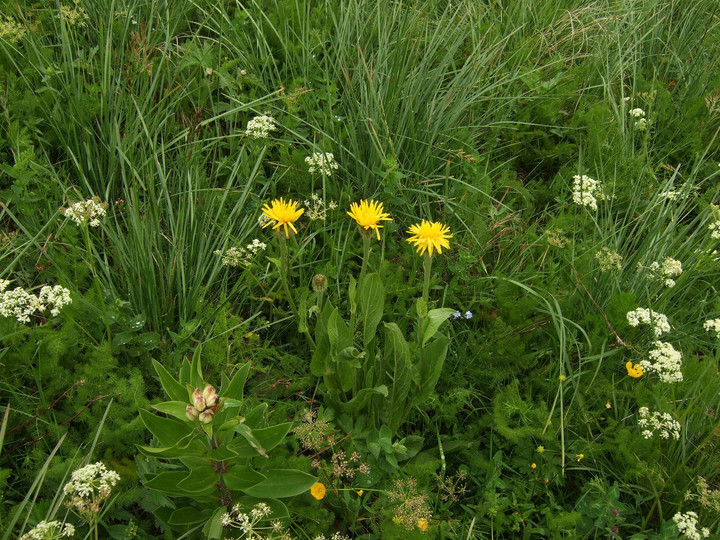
[49, 530]
[21, 305]
[89, 211]
[687, 524]
[661, 423]
[316, 208]
[658, 321]
[609, 260]
[206, 403]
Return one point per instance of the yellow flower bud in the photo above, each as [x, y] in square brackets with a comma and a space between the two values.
[319, 283]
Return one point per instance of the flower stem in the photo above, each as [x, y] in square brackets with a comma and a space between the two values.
[427, 262]
[366, 256]
[284, 268]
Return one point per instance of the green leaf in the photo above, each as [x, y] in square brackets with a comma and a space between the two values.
[397, 355]
[302, 311]
[432, 322]
[356, 404]
[168, 482]
[281, 483]
[268, 438]
[200, 480]
[213, 529]
[189, 515]
[248, 435]
[196, 375]
[172, 387]
[167, 431]
[372, 303]
[242, 477]
[237, 384]
[173, 408]
[430, 367]
[338, 333]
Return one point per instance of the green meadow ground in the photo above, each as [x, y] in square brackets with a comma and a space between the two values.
[551, 373]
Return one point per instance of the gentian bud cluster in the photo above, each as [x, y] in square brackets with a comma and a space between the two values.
[205, 403]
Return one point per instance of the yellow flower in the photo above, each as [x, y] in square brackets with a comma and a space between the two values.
[428, 236]
[579, 457]
[423, 524]
[533, 466]
[608, 406]
[318, 490]
[634, 371]
[368, 214]
[282, 214]
[540, 449]
[360, 492]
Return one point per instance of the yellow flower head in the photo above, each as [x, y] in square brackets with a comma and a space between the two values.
[318, 490]
[533, 465]
[634, 371]
[423, 524]
[579, 456]
[428, 236]
[282, 214]
[368, 214]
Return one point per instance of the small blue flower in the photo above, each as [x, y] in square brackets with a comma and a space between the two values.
[468, 315]
[456, 315]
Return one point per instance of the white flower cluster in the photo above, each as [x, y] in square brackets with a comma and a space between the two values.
[317, 209]
[712, 325]
[49, 530]
[238, 256]
[640, 121]
[662, 423]
[714, 230]
[667, 270]
[260, 127]
[648, 316]
[249, 523]
[88, 488]
[687, 524]
[83, 212]
[335, 536]
[609, 260]
[585, 191]
[665, 361]
[22, 305]
[324, 163]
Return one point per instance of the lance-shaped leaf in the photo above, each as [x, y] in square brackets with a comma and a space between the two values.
[241, 477]
[281, 483]
[372, 303]
[397, 356]
[172, 387]
[430, 324]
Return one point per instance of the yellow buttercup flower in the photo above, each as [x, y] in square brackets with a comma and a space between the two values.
[423, 524]
[282, 214]
[429, 236]
[318, 490]
[368, 215]
[634, 371]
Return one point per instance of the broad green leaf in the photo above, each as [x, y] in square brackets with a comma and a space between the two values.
[255, 417]
[397, 356]
[196, 375]
[241, 477]
[281, 483]
[167, 431]
[172, 387]
[320, 362]
[302, 311]
[372, 303]
[268, 438]
[200, 480]
[248, 435]
[432, 322]
[357, 403]
[433, 358]
[237, 384]
[213, 529]
[167, 482]
[173, 408]
[338, 333]
[188, 516]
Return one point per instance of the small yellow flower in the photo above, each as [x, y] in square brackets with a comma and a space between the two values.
[360, 492]
[533, 466]
[579, 457]
[429, 236]
[608, 406]
[318, 490]
[562, 378]
[423, 524]
[368, 214]
[634, 371]
[540, 449]
[282, 214]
